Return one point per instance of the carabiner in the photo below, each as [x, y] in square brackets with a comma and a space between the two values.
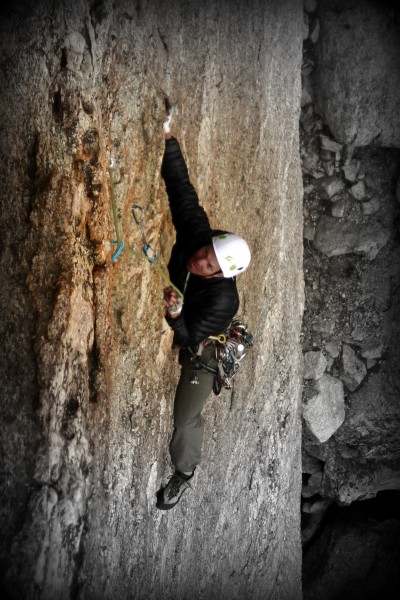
[153, 257]
[134, 208]
[221, 338]
[118, 251]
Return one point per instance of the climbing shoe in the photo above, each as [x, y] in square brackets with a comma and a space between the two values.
[169, 495]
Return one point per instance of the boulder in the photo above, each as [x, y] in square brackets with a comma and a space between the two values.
[359, 104]
[371, 206]
[358, 190]
[350, 171]
[347, 480]
[359, 332]
[330, 186]
[332, 349]
[330, 145]
[372, 422]
[323, 411]
[339, 207]
[333, 237]
[354, 370]
[309, 231]
[372, 350]
[323, 326]
[314, 364]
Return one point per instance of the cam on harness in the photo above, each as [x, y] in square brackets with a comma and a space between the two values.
[229, 352]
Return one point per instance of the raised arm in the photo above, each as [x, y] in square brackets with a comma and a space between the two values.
[189, 218]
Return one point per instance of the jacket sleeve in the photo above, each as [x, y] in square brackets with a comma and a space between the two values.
[189, 218]
[210, 315]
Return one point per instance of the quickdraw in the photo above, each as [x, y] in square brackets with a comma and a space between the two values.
[148, 251]
[149, 254]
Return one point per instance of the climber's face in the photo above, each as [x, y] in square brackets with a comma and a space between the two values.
[204, 263]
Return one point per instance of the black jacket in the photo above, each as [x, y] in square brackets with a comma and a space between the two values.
[209, 304]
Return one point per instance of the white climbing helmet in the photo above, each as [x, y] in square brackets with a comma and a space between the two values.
[232, 252]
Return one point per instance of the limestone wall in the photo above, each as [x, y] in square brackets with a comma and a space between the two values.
[87, 369]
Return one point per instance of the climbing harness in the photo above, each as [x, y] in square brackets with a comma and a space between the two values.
[149, 254]
[229, 352]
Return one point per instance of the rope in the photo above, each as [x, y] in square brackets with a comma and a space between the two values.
[149, 254]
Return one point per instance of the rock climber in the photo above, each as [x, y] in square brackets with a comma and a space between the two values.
[203, 265]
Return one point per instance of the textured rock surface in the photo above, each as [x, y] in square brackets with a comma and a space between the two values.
[357, 75]
[334, 237]
[354, 369]
[314, 364]
[323, 407]
[88, 374]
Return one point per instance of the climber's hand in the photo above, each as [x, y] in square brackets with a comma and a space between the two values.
[172, 302]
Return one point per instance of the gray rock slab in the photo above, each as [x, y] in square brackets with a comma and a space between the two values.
[359, 332]
[348, 480]
[358, 190]
[371, 206]
[372, 426]
[333, 237]
[338, 208]
[329, 167]
[324, 326]
[332, 349]
[354, 369]
[314, 364]
[350, 171]
[323, 413]
[331, 185]
[330, 145]
[309, 231]
[372, 350]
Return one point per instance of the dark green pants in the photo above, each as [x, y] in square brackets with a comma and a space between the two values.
[187, 439]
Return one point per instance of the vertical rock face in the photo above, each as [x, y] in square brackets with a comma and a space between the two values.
[87, 369]
[348, 96]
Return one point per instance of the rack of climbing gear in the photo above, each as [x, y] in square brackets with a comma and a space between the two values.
[229, 352]
[148, 252]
